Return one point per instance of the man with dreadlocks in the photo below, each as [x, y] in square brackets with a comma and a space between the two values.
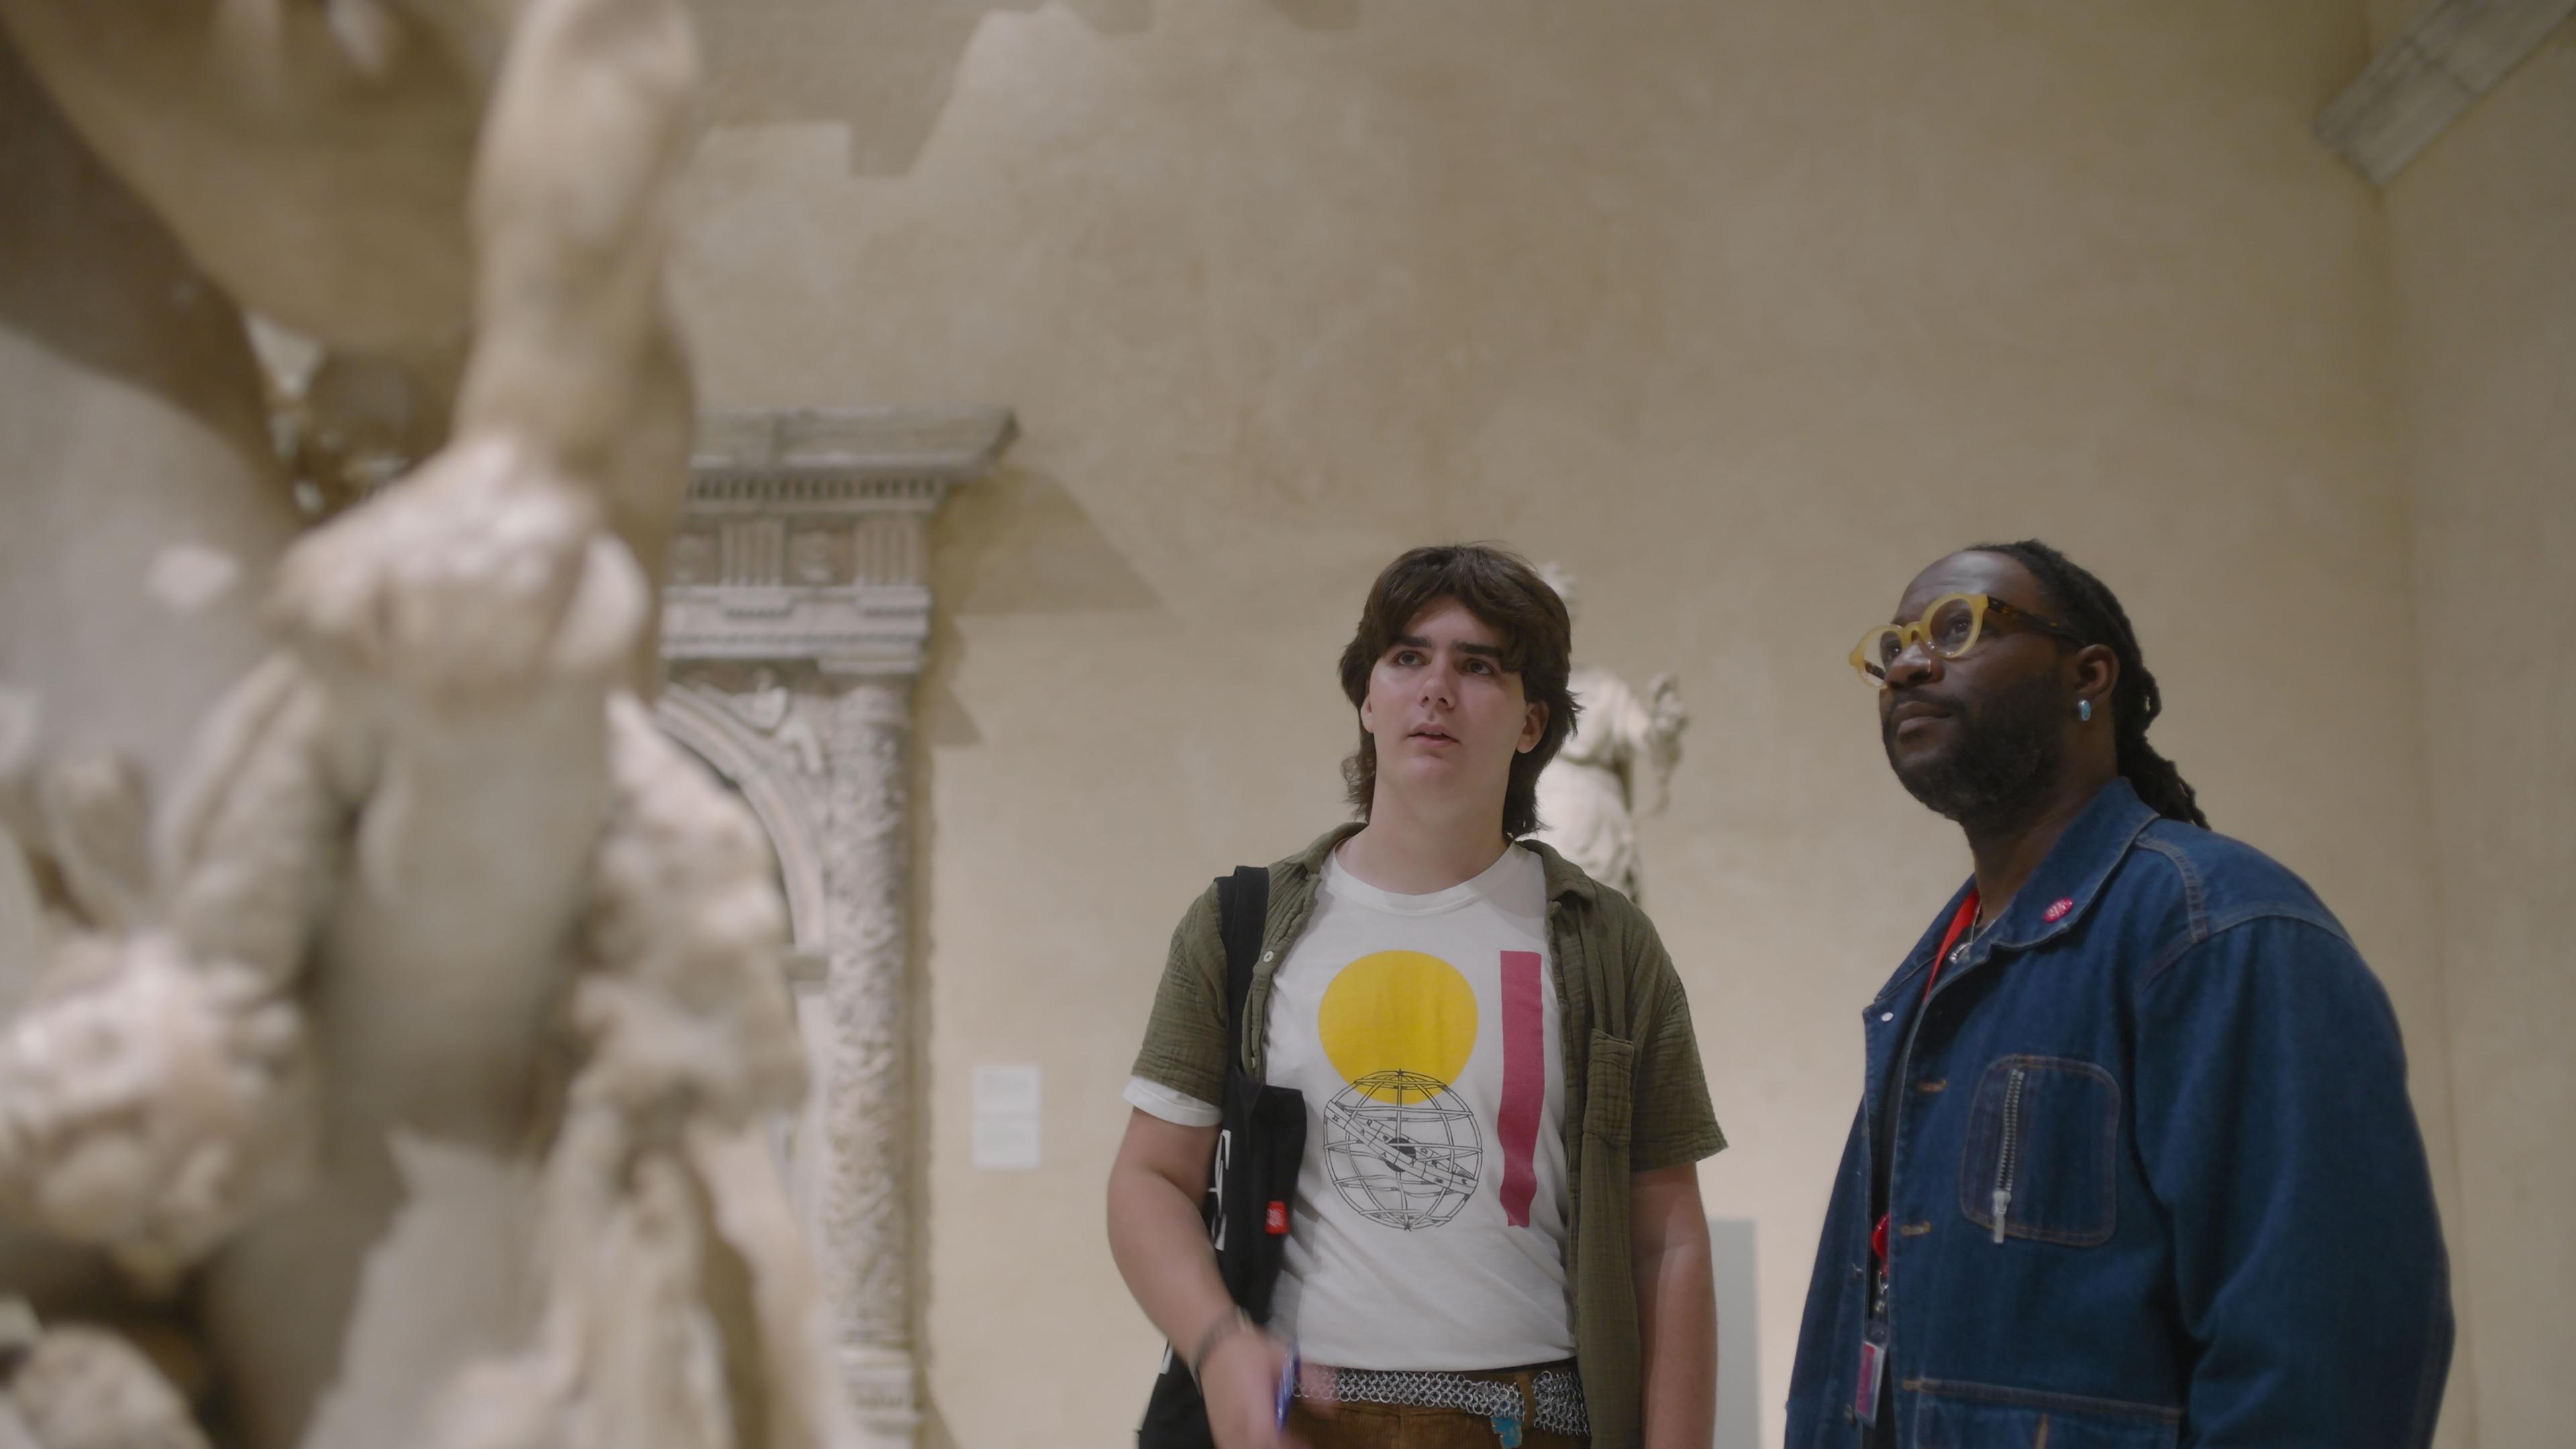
[2134, 1163]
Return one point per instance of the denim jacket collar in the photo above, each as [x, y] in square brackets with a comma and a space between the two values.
[2072, 873]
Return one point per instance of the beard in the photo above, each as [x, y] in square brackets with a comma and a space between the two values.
[2004, 753]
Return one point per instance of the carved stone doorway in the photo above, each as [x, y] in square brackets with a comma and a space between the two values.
[795, 615]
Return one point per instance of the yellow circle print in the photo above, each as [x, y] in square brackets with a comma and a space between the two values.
[1398, 1011]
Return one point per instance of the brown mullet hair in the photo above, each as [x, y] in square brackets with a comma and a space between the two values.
[1500, 588]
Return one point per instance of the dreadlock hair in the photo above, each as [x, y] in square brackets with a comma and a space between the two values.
[2088, 608]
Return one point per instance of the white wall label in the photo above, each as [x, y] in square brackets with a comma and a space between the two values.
[1007, 1101]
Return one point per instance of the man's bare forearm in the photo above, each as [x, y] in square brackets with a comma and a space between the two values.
[1676, 1309]
[1161, 1245]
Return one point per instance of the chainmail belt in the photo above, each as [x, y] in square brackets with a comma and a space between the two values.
[1559, 1393]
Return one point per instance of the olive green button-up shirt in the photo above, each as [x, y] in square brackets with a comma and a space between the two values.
[1635, 1097]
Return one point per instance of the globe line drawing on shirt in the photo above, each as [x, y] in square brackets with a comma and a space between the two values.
[1406, 1164]
[1402, 1148]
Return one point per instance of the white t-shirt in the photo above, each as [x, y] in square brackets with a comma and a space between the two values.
[1429, 1226]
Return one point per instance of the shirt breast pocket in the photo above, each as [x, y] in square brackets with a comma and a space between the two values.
[2042, 1153]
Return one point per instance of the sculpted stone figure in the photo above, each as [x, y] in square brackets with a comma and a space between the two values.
[394, 1019]
[1592, 792]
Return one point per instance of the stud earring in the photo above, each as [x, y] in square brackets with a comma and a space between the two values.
[2084, 710]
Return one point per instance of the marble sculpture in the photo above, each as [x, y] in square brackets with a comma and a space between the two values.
[1591, 794]
[394, 1019]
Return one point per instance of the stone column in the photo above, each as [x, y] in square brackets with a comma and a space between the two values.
[794, 621]
[866, 1225]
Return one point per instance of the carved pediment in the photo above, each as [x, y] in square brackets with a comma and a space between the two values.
[806, 533]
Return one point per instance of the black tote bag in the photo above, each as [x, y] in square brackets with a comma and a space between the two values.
[1259, 1143]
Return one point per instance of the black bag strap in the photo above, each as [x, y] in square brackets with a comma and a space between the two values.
[1243, 910]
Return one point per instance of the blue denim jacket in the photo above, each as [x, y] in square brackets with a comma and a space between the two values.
[2219, 1227]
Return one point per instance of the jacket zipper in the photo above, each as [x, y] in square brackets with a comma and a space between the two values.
[2009, 1158]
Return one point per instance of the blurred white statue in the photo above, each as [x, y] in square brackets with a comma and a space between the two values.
[422, 1029]
[1616, 766]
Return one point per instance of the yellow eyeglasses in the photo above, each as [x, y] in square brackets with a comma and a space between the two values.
[1950, 628]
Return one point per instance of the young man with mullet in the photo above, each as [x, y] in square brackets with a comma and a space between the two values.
[1496, 1237]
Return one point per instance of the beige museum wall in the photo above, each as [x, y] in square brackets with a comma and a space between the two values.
[1741, 312]
[2481, 227]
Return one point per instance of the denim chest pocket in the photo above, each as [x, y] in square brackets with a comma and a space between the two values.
[2042, 1153]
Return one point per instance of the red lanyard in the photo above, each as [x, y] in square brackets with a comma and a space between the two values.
[1958, 922]
[1966, 913]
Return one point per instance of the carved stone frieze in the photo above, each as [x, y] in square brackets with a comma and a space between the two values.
[2451, 53]
[794, 621]
[807, 534]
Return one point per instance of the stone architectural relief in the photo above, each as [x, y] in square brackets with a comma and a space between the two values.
[411, 1012]
[2452, 53]
[792, 645]
[766, 705]
[1615, 768]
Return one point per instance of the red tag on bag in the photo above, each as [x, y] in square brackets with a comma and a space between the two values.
[1275, 1218]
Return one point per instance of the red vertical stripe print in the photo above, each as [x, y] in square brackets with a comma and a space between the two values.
[1524, 1082]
